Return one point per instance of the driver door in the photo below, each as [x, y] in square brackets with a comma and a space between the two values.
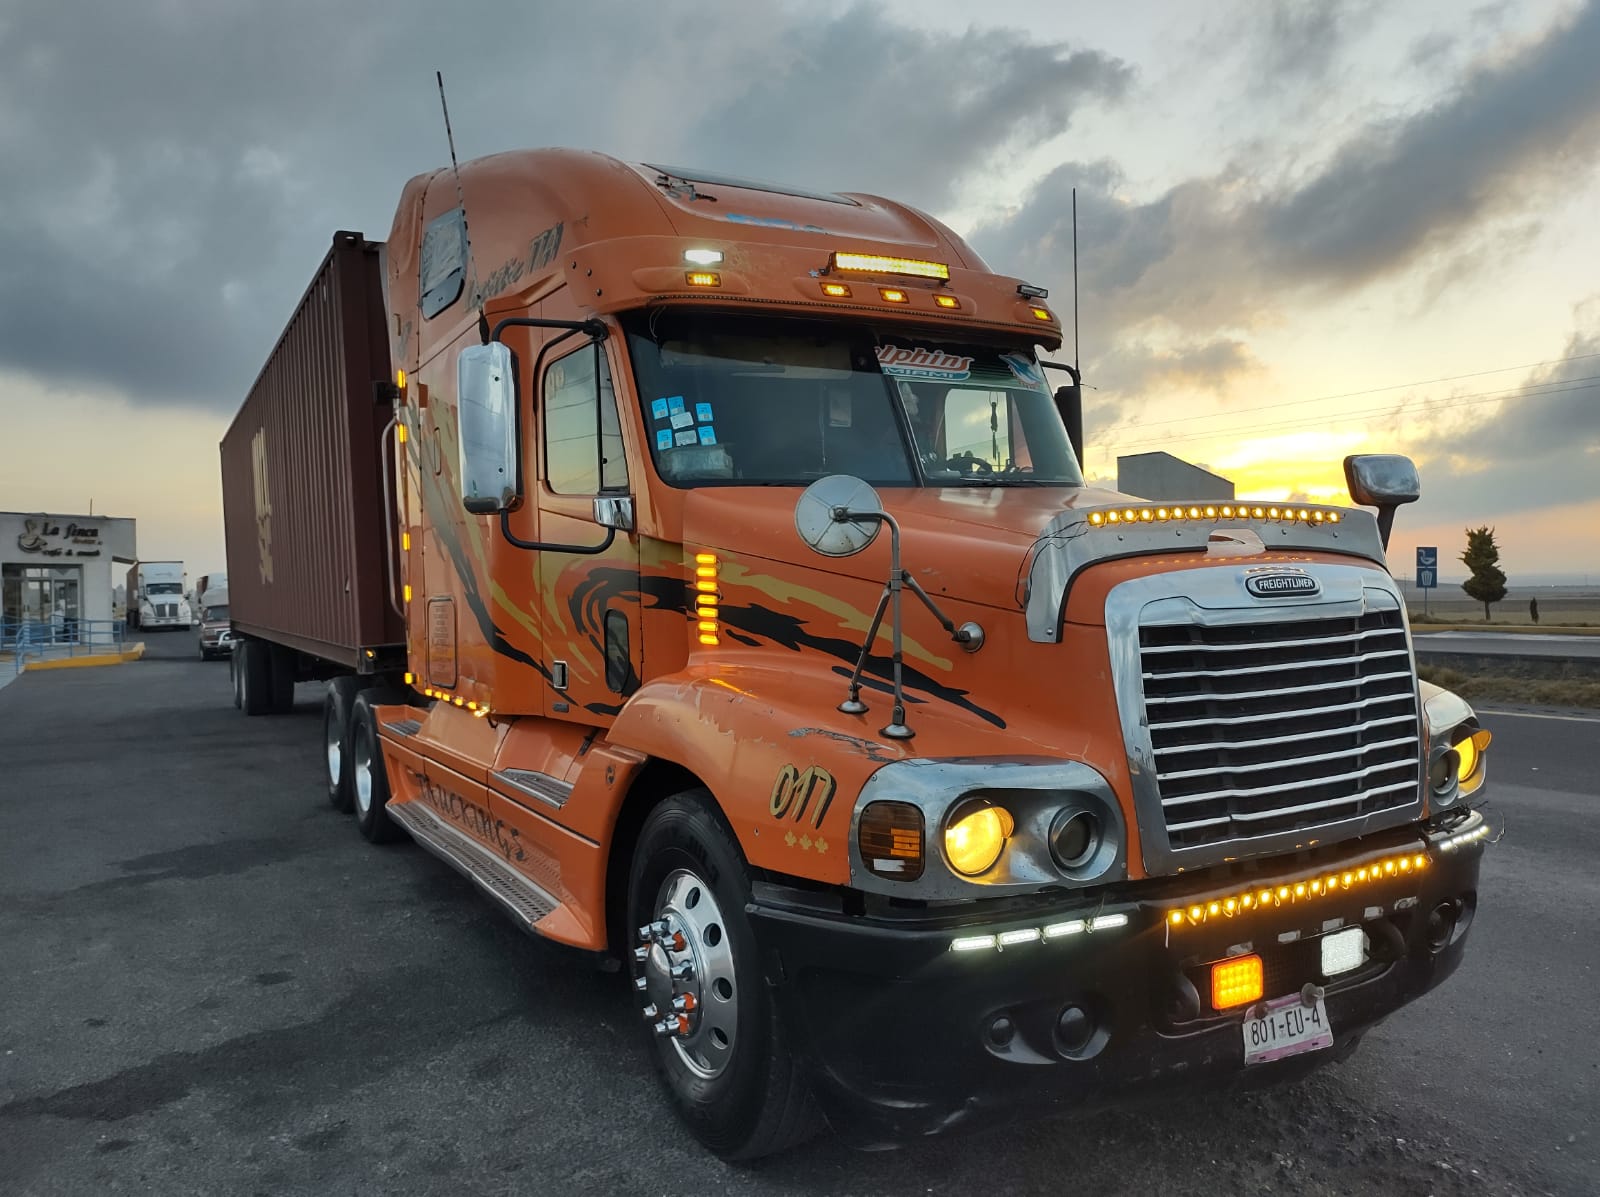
[589, 600]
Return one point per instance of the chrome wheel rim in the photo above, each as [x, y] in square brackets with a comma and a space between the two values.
[363, 773]
[686, 907]
[335, 746]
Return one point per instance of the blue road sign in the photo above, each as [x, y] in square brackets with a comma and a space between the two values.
[1427, 567]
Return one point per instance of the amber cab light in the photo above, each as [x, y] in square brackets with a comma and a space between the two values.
[704, 278]
[947, 301]
[894, 295]
[1236, 982]
[836, 290]
[890, 838]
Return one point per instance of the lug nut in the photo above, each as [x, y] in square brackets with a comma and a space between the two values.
[664, 1027]
[677, 943]
[684, 1003]
[683, 971]
[654, 932]
[641, 983]
[641, 954]
[650, 1012]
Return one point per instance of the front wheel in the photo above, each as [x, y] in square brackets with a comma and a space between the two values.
[714, 1029]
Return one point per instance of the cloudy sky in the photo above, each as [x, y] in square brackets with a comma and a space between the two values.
[1305, 229]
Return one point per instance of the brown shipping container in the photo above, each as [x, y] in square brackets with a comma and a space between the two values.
[304, 509]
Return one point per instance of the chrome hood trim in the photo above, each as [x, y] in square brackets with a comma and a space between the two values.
[1070, 544]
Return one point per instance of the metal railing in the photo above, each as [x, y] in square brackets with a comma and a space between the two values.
[40, 639]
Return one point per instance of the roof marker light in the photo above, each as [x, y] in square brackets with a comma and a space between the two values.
[947, 301]
[1041, 314]
[704, 278]
[836, 290]
[894, 295]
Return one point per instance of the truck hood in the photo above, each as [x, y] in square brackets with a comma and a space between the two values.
[964, 542]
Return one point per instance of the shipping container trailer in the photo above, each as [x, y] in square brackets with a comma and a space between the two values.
[305, 508]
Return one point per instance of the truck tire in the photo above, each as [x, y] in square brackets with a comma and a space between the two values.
[281, 666]
[236, 677]
[337, 709]
[255, 676]
[731, 1077]
[369, 777]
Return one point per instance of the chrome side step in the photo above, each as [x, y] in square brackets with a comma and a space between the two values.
[404, 727]
[550, 790]
[526, 902]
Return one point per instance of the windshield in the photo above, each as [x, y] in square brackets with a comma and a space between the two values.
[163, 588]
[739, 401]
[216, 614]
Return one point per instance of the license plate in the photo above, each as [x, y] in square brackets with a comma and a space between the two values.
[1286, 1028]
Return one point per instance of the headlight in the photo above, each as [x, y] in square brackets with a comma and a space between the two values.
[1469, 743]
[973, 840]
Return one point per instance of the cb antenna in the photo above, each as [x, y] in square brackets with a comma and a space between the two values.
[1076, 368]
[466, 234]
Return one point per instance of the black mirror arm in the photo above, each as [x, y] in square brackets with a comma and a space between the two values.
[594, 327]
[596, 331]
[542, 546]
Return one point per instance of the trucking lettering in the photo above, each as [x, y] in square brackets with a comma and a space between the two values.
[724, 596]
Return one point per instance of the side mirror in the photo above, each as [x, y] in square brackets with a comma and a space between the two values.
[1384, 481]
[823, 515]
[1069, 402]
[486, 417]
[614, 511]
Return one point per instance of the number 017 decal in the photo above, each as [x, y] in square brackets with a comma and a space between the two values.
[797, 790]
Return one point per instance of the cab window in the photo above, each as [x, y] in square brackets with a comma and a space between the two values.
[583, 443]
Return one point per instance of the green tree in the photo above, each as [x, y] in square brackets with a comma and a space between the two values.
[1487, 583]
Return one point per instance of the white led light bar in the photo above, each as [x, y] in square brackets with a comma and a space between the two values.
[1053, 931]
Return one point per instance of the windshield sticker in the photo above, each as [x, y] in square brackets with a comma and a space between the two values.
[708, 435]
[658, 409]
[686, 438]
[839, 410]
[663, 439]
[918, 362]
[1024, 368]
[675, 404]
[682, 419]
[702, 412]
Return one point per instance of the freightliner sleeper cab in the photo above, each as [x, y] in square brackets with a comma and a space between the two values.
[742, 613]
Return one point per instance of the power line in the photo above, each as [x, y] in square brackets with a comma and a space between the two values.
[1398, 386]
[1444, 403]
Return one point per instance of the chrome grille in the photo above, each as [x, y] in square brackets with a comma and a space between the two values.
[1267, 728]
[166, 610]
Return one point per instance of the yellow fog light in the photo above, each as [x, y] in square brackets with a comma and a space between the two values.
[973, 842]
[1237, 982]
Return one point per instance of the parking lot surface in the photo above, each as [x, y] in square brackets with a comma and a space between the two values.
[209, 983]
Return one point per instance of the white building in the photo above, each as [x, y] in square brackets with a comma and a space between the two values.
[59, 568]
[1161, 477]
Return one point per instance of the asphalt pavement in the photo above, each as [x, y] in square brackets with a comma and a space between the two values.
[209, 983]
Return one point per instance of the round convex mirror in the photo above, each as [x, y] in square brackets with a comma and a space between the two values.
[814, 515]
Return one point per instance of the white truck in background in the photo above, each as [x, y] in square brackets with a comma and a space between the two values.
[155, 596]
[213, 584]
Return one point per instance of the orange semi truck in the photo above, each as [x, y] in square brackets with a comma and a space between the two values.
[705, 569]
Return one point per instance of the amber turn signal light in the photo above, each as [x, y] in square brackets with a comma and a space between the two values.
[890, 837]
